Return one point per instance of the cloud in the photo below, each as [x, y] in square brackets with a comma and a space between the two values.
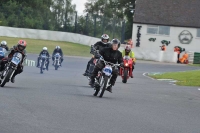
[80, 5]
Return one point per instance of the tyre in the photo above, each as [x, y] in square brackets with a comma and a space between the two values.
[6, 77]
[41, 68]
[104, 85]
[125, 76]
[56, 65]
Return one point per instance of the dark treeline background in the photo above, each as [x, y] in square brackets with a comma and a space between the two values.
[101, 16]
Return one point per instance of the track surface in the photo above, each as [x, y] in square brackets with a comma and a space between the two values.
[61, 102]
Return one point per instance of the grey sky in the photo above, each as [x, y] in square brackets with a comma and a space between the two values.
[80, 5]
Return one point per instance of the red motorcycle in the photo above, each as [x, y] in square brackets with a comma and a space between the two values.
[126, 71]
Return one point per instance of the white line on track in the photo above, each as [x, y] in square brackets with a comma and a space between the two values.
[145, 75]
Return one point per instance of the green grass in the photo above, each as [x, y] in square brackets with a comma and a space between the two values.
[197, 65]
[35, 46]
[188, 78]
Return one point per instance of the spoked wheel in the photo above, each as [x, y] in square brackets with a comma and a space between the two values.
[104, 85]
[6, 77]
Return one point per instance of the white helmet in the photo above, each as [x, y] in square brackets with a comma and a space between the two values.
[4, 43]
[104, 37]
[57, 47]
[45, 48]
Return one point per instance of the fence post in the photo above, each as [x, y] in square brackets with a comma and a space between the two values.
[103, 25]
[123, 32]
[113, 27]
[75, 30]
[86, 23]
[95, 21]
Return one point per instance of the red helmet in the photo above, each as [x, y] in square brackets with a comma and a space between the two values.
[21, 45]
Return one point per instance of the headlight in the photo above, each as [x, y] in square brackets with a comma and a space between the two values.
[126, 64]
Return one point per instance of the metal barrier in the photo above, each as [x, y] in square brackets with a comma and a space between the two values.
[29, 62]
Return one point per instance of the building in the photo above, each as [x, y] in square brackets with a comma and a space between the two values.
[174, 21]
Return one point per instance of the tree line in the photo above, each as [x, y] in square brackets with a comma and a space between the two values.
[101, 16]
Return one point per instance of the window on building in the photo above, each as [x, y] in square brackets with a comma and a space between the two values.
[198, 32]
[159, 30]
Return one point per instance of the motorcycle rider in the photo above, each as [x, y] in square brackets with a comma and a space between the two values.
[127, 52]
[44, 51]
[58, 50]
[98, 46]
[4, 45]
[20, 47]
[112, 55]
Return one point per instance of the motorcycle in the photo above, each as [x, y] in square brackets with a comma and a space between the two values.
[3, 52]
[43, 63]
[126, 71]
[57, 61]
[10, 68]
[103, 78]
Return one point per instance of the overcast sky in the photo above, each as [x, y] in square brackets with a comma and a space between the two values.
[80, 5]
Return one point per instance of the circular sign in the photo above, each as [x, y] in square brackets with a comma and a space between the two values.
[185, 37]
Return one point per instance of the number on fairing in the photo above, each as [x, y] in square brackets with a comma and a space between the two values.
[16, 60]
[107, 70]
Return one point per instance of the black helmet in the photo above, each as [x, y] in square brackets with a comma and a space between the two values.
[116, 41]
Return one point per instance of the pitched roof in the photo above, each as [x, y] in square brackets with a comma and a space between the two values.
[183, 13]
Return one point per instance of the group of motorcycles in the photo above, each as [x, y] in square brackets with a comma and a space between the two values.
[103, 78]
[43, 62]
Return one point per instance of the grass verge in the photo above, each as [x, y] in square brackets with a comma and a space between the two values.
[35, 46]
[188, 78]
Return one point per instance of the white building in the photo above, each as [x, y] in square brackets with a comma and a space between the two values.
[177, 21]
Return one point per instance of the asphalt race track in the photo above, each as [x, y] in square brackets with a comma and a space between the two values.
[62, 102]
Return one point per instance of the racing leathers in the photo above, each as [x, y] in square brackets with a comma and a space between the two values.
[57, 51]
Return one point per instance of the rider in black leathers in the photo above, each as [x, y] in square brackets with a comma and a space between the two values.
[44, 51]
[58, 50]
[112, 55]
[98, 46]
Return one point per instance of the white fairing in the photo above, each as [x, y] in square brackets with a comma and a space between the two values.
[3, 52]
[17, 57]
[107, 70]
[126, 57]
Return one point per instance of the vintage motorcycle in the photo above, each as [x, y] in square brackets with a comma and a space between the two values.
[103, 78]
[43, 63]
[10, 68]
[57, 61]
[126, 71]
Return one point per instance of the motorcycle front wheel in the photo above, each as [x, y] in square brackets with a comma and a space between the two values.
[104, 86]
[6, 77]
[124, 80]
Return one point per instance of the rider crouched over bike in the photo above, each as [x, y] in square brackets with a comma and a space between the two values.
[98, 46]
[4, 45]
[44, 52]
[20, 47]
[112, 55]
[57, 50]
[127, 52]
